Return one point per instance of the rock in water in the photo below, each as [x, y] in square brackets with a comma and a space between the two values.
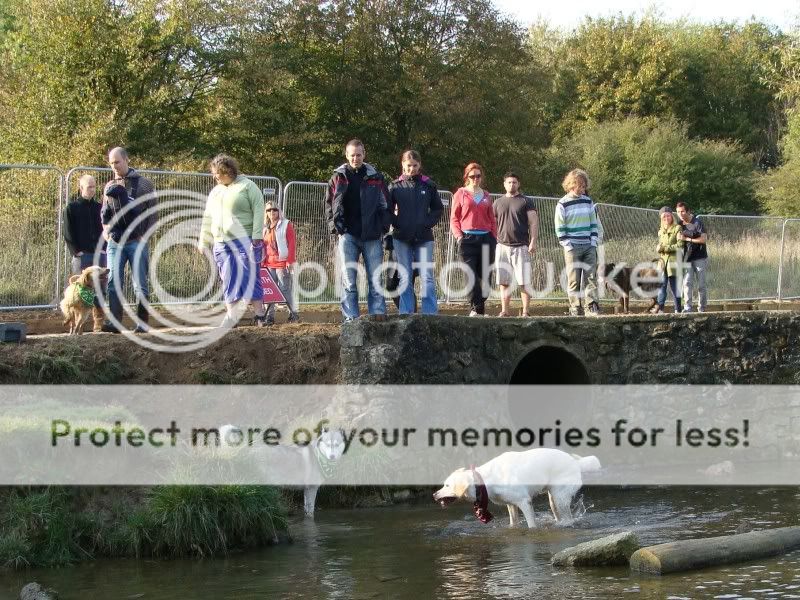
[607, 551]
[34, 591]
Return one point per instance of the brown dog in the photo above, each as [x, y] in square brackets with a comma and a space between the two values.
[79, 297]
[618, 278]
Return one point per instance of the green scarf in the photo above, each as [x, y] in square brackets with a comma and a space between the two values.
[326, 466]
[86, 294]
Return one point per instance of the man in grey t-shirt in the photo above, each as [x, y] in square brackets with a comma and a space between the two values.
[517, 232]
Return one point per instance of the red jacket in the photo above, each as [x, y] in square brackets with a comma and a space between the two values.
[272, 257]
[465, 214]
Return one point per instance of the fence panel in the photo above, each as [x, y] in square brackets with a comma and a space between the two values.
[179, 273]
[743, 256]
[304, 206]
[789, 280]
[30, 217]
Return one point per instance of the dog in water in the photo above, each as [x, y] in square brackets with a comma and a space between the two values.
[514, 478]
[316, 461]
[79, 297]
[619, 280]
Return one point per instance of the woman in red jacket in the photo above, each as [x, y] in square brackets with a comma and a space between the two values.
[473, 224]
[279, 258]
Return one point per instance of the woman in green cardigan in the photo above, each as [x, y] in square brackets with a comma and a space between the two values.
[670, 249]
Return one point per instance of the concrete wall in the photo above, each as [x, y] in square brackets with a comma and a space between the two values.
[753, 347]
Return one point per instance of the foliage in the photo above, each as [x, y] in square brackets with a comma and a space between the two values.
[57, 526]
[39, 528]
[777, 190]
[648, 163]
[283, 84]
[106, 72]
[714, 78]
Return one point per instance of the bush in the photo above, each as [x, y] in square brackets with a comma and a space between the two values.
[643, 163]
[57, 526]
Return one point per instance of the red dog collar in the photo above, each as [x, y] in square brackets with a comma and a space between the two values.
[481, 504]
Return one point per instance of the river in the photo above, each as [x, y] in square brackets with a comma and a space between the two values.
[422, 551]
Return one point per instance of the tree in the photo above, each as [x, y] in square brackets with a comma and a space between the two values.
[650, 163]
[86, 74]
[448, 78]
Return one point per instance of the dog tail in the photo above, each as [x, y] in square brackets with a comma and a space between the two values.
[587, 464]
[64, 310]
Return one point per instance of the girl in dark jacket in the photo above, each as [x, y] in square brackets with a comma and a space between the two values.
[415, 207]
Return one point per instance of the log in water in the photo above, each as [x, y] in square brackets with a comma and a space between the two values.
[686, 555]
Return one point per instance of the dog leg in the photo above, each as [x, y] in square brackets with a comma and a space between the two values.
[527, 510]
[560, 500]
[81, 322]
[512, 515]
[97, 317]
[310, 499]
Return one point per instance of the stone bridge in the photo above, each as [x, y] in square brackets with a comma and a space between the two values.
[753, 347]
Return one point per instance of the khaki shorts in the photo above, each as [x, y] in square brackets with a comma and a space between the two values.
[513, 259]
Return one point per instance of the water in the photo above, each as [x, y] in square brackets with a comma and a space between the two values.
[423, 551]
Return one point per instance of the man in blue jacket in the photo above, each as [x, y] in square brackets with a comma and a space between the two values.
[357, 213]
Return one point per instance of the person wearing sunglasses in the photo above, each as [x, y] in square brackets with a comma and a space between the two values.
[473, 224]
[416, 208]
[279, 258]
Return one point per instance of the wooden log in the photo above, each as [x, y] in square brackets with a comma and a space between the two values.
[686, 555]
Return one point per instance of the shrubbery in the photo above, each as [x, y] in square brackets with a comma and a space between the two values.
[638, 162]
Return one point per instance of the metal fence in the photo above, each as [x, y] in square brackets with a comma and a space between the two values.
[750, 257]
[30, 236]
[789, 263]
[181, 272]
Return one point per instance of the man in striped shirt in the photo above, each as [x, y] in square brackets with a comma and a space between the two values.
[577, 231]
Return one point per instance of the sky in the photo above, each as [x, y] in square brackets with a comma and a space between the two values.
[563, 13]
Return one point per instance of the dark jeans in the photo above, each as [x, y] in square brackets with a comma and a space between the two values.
[662, 292]
[477, 252]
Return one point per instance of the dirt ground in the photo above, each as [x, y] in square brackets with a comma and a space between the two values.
[306, 352]
[284, 354]
[49, 321]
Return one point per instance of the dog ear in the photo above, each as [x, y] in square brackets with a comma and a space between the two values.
[461, 483]
[74, 279]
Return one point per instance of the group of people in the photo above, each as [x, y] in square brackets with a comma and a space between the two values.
[113, 233]
[244, 234]
[493, 238]
[361, 209]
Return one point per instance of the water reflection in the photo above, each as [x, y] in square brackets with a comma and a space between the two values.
[423, 552]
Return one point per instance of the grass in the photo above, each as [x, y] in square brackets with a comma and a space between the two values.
[42, 527]
[68, 365]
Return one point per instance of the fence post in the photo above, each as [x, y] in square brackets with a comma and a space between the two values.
[780, 264]
[62, 203]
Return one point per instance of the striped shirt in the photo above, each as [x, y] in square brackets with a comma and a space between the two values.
[576, 221]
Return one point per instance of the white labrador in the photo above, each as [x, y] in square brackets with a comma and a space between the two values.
[514, 478]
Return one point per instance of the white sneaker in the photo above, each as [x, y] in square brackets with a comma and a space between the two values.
[473, 313]
[228, 322]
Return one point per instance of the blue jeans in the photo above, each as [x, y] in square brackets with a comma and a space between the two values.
[662, 292]
[350, 248]
[134, 253]
[419, 256]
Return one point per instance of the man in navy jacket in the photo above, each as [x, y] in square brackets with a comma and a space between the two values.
[357, 213]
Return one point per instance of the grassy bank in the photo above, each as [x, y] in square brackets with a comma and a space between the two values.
[60, 525]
